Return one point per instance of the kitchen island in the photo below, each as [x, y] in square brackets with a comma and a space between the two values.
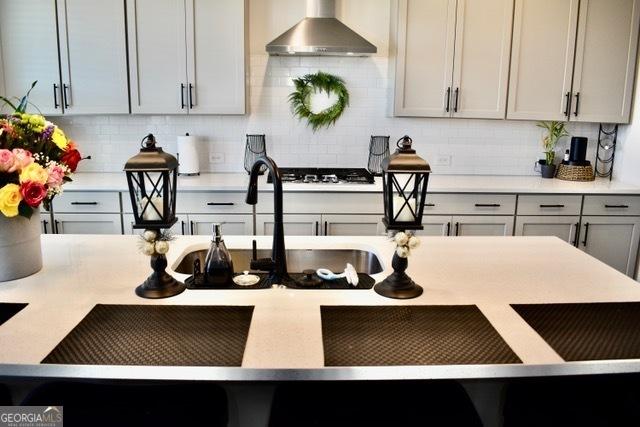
[285, 337]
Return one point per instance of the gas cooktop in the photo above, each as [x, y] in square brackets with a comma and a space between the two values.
[325, 175]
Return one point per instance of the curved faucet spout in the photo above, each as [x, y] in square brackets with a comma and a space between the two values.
[278, 273]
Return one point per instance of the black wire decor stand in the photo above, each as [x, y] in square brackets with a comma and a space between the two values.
[606, 151]
[378, 151]
[255, 148]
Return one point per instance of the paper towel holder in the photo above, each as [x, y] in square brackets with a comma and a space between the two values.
[188, 159]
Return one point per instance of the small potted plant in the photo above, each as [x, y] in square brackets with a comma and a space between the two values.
[554, 131]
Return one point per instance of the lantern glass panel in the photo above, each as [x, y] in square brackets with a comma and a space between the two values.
[153, 197]
[405, 197]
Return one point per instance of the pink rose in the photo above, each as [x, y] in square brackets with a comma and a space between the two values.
[56, 175]
[23, 158]
[7, 160]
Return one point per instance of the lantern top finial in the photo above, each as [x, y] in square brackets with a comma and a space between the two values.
[405, 159]
[151, 158]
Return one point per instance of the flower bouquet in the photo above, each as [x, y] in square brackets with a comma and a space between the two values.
[36, 160]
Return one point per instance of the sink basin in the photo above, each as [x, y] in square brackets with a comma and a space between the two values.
[297, 260]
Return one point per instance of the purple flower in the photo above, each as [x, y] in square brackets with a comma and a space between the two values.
[47, 132]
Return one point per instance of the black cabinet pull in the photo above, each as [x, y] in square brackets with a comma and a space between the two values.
[457, 229]
[182, 105]
[56, 230]
[586, 234]
[449, 229]
[190, 96]
[326, 227]
[317, 225]
[182, 227]
[84, 203]
[65, 97]
[220, 204]
[577, 235]
[430, 205]
[616, 206]
[191, 227]
[448, 96]
[577, 104]
[55, 96]
[551, 206]
[44, 226]
[455, 102]
[488, 205]
[567, 107]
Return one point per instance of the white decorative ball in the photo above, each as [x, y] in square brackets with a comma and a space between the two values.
[402, 251]
[149, 235]
[401, 238]
[162, 247]
[148, 248]
[414, 242]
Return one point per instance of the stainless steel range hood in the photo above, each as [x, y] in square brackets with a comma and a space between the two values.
[320, 33]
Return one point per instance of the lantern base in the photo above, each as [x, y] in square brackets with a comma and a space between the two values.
[398, 286]
[159, 284]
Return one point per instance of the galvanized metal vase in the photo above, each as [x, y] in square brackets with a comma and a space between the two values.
[20, 247]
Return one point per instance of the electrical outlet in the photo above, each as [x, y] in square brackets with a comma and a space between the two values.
[443, 160]
[215, 158]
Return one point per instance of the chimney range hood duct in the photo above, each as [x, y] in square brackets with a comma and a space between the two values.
[320, 33]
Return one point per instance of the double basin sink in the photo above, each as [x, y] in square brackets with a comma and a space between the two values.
[298, 260]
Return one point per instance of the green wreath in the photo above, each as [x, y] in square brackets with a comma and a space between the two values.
[322, 82]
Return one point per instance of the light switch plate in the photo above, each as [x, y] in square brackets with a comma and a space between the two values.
[215, 158]
[443, 160]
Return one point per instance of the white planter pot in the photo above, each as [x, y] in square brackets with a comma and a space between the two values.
[20, 248]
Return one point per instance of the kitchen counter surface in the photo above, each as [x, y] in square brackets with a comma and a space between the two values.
[437, 184]
[285, 337]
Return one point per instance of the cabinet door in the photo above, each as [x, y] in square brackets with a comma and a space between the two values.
[157, 56]
[294, 225]
[93, 56]
[352, 225]
[605, 60]
[435, 225]
[613, 241]
[563, 227]
[544, 35]
[232, 225]
[482, 226]
[216, 56]
[88, 224]
[481, 64]
[29, 42]
[424, 63]
[179, 228]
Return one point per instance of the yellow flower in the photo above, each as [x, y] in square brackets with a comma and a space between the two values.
[37, 122]
[34, 172]
[10, 198]
[59, 138]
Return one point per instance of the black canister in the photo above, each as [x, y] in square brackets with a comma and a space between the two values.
[578, 154]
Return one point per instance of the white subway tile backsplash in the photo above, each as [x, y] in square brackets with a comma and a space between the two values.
[475, 146]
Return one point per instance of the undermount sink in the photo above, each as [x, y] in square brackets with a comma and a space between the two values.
[297, 260]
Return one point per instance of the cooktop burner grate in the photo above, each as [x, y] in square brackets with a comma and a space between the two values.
[326, 175]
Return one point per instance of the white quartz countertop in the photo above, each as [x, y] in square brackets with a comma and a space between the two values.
[285, 339]
[437, 184]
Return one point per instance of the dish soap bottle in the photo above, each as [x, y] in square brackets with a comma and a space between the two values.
[218, 266]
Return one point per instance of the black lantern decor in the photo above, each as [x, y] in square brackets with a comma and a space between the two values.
[405, 176]
[152, 179]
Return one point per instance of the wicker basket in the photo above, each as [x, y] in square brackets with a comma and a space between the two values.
[575, 173]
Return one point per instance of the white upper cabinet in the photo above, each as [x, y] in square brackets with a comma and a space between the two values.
[605, 60]
[542, 55]
[452, 58]
[481, 64]
[157, 56]
[29, 47]
[215, 56]
[187, 56]
[93, 56]
[424, 62]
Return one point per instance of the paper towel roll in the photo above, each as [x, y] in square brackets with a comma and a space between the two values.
[188, 155]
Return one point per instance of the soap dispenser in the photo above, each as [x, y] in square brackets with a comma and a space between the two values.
[218, 267]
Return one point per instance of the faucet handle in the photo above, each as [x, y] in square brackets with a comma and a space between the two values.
[254, 250]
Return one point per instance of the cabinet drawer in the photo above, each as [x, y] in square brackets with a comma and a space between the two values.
[209, 202]
[549, 205]
[86, 202]
[470, 204]
[611, 205]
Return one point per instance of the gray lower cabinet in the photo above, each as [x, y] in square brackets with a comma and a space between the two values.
[435, 225]
[232, 224]
[352, 225]
[88, 224]
[482, 226]
[613, 240]
[563, 227]
[294, 224]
